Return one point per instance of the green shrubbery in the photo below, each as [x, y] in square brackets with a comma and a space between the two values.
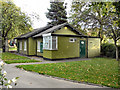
[109, 50]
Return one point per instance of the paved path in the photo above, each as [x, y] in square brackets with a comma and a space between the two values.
[34, 80]
[47, 61]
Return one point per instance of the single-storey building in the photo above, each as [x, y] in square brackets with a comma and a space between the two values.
[58, 42]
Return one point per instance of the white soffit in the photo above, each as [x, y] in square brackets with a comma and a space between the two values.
[48, 34]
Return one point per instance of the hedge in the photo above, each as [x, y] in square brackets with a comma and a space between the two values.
[109, 50]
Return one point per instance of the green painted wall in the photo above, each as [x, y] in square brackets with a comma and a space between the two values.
[93, 47]
[65, 31]
[22, 51]
[41, 40]
[66, 49]
[32, 46]
[47, 54]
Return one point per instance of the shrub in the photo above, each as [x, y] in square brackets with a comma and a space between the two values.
[109, 50]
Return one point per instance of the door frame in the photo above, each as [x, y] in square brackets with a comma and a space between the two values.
[84, 49]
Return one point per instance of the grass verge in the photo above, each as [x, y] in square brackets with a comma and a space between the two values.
[103, 71]
[11, 56]
[20, 61]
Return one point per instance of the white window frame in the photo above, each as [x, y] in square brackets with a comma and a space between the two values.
[56, 43]
[21, 45]
[47, 39]
[73, 39]
[25, 45]
[38, 46]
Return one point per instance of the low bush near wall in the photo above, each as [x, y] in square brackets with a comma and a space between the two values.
[109, 50]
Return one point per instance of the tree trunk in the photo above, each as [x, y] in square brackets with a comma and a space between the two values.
[3, 44]
[5, 47]
[100, 32]
[117, 53]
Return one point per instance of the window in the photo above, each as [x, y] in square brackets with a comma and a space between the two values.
[20, 45]
[38, 46]
[72, 39]
[25, 45]
[50, 42]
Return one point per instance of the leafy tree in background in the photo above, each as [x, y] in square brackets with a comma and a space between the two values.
[13, 22]
[117, 6]
[113, 28]
[92, 16]
[76, 11]
[56, 14]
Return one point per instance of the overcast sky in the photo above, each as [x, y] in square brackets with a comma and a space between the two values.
[39, 7]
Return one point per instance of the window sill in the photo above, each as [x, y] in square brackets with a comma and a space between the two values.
[38, 51]
[51, 49]
[72, 41]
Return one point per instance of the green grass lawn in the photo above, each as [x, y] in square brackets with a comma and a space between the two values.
[101, 71]
[11, 56]
[20, 61]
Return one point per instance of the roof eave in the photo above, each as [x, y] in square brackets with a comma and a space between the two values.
[68, 35]
[21, 38]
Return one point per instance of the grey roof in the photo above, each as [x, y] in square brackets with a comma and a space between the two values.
[54, 28]
[34, 32]
[47, 29]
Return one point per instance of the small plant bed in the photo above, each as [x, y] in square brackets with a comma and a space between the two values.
[11, 56]
[20, 61]
[102, 71]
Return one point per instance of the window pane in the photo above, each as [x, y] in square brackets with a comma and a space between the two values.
[53, 37]
[53, 45]
[38, 45]
[20, 45]
[24, 45]
[49, 44]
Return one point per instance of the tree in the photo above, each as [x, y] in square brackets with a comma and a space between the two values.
[90, 15]
[56, 14]
[13, 22]
[113, 28]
